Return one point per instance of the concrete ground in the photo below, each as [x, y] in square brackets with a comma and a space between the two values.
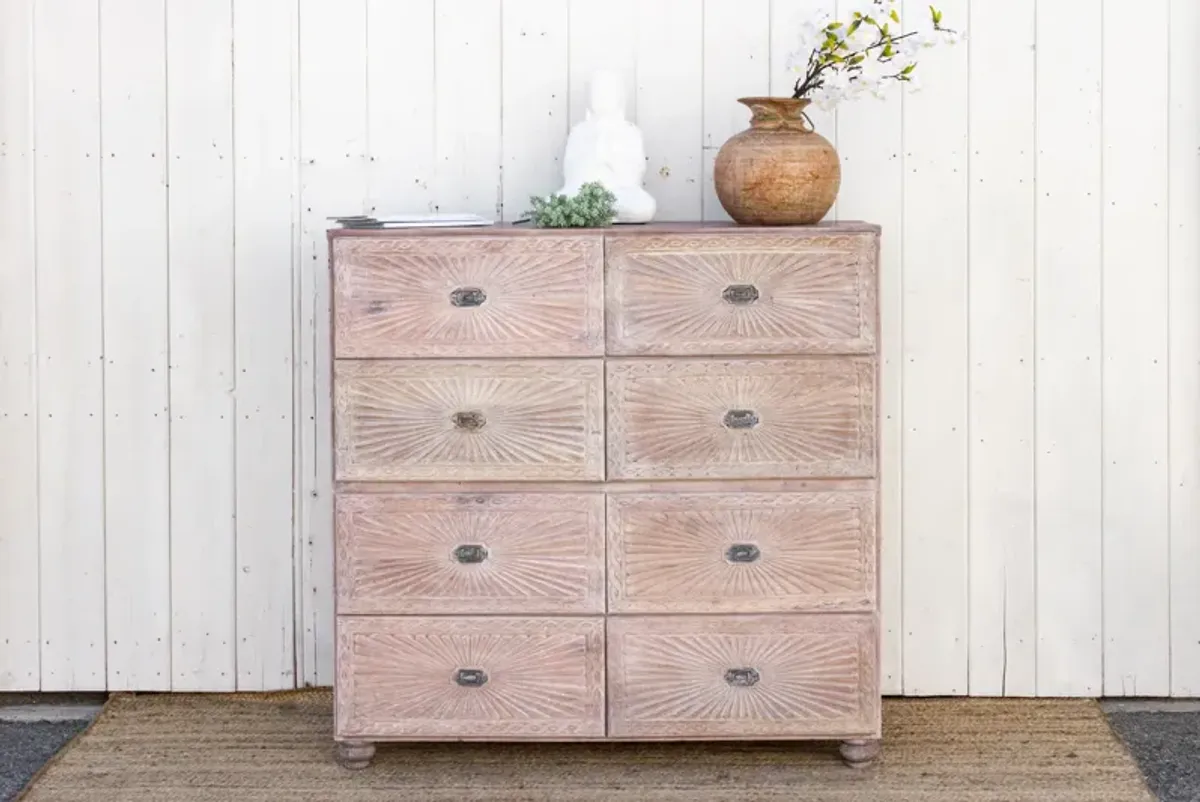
[1164, 737]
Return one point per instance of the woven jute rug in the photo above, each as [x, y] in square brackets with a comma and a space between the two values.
[196, 748]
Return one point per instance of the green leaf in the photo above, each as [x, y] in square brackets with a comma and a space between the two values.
[908, 70]
[833, 26]
[895, 15]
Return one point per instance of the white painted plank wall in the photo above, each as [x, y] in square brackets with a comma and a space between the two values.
[137, 435]
[1136, 331]
[1068, 467]
[70, 342]
[1041, 526]
[203, 456]
[20, 652]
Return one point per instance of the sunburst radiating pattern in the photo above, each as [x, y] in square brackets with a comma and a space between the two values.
[816, 418]
[545, 553]
[668, 553]
[668, 676]
[544, 297]
[545, 677]
[541, 420]
[669, 300]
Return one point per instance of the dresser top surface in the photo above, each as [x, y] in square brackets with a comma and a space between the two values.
[711, 227]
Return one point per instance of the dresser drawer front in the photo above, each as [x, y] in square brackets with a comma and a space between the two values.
[741, 553]
[482, 553]
[468, 421]
[777, 418]
[465, 678]
[448, 296]
[790, 676]
[742, 293]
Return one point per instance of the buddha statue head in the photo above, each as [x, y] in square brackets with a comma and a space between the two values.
[607, 95]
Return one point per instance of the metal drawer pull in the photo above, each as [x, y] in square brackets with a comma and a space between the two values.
[742, 553]
[468, 296]
[742, 677]
[470, 420]
[740, 294]
[471, 553]
[471, 677]
[740, 419]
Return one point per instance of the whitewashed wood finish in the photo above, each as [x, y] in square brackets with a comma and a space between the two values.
[737, 63]
[815, 418]
[669, 552]
[202, 351]
[815, 676]
[1184, 367]
[870, 139]
[670, 108]
[396, 678]
[334, 76]
[396, 553]
[1069, 359]
[468, 172]
[541, 296]
[935, 393]
[1136, 287]
[20, 668]
[263, 271]
[812, 294]
[133, 128]
[353, 110]
[530, 420]
[535, 34]
[70, 345]
[1003, 259]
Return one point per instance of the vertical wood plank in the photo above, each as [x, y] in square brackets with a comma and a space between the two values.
[1003, 250]
[133, 128]
[870, 137]
[1184, 199]
[787, 17]
[333, 134]
[264, 39]
[602, 36]
[934, 449]
[737, 63]
[201, 222]
[467, 85]
[70, 344]
[536, 92]
[670, 104]
[1068, 346]
[19, 648]
[400, 106]
[1136, 339]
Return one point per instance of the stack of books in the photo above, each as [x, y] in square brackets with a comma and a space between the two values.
[412, 221]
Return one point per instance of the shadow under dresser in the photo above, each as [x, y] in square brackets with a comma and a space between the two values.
[605, 484]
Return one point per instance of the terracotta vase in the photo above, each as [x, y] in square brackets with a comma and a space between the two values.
[779, 171]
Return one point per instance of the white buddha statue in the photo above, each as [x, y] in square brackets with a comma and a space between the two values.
[606, 147]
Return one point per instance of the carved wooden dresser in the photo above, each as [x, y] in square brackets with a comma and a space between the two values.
[606, 484]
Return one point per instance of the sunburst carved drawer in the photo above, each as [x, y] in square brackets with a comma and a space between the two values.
[476, 296]
[741, 552]
[464, 421]
[485, 553]
[742, 293]
[796, 676]
[743, 418]
[470, 678]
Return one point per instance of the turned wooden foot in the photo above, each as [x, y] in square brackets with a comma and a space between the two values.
[355, 754]
[858, 753]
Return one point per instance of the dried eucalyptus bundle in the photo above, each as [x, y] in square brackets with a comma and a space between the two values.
[591, 207]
